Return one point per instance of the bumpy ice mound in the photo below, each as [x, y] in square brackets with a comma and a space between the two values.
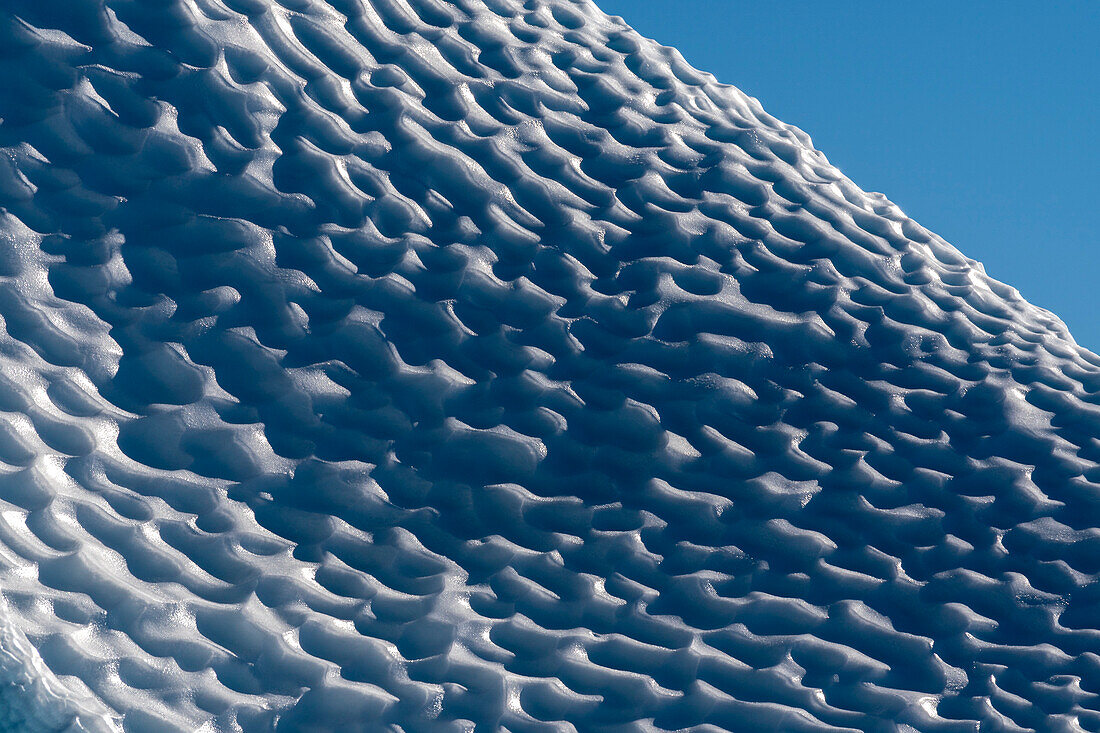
[414, 365]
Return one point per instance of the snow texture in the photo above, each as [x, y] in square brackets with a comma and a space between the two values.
[411, 365]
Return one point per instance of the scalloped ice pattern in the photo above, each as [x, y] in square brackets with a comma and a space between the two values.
[414, 365]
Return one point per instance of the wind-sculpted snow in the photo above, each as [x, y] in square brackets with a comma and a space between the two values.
[419, 365]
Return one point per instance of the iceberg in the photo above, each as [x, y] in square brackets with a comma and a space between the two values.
[411, 365]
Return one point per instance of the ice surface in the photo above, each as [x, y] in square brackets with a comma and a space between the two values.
[415, 365]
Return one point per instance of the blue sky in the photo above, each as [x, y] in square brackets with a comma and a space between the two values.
[980, 119]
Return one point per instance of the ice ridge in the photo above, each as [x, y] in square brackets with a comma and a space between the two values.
[411, 365]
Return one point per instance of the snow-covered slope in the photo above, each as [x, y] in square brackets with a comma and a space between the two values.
[421, 365]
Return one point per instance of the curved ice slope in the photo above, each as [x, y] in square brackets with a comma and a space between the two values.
[419, 365]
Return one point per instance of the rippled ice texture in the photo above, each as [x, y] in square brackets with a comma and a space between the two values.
[415, 365]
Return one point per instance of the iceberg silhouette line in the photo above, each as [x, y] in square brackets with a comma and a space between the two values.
[413, 365]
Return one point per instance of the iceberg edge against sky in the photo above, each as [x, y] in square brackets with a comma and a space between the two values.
[419, 365]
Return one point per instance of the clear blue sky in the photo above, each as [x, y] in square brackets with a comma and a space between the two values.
[980, 119]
